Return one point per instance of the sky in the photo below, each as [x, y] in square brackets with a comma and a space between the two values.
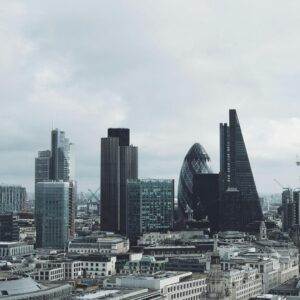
[168, 70]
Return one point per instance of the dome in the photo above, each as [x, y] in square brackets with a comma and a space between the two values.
[196, 161]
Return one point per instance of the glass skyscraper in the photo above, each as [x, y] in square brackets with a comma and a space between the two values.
[52, 214]
[150, 206]
[195, 162]
[236, 170]
[55, 166]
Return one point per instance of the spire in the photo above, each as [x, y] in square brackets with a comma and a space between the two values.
[215, 251]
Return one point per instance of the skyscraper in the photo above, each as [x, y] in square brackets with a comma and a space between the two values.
[43, 166]
[236, 170]
[52, 214]
[150, 206]
[61, 151]
[53, 166]
[119, 162]
[195, 162]
[206, 193]
[110, 184]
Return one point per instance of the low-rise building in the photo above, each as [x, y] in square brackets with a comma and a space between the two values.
[145, 265]
[9, 250]
[15, 287]
[172, 285]
[98, 265]
[103, 243]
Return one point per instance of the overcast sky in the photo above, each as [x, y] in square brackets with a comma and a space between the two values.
[168, 70]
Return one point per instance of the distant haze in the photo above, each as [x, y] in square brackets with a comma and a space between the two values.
[168, 70]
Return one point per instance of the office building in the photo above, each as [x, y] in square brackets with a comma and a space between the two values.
[206, 193]
[42, 166]
[9, 230]
[12, 198]
[195, 162]
[57, 165]
[230, 217]
[236, 170]
[61, 157]
[52, 214]
[119, 162]
[150, 206]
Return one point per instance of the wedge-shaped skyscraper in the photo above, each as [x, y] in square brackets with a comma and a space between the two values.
[236, 170]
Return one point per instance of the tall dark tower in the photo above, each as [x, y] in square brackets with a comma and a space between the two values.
[122, 133]
[236, 169]
[119, 162]
[110, 184]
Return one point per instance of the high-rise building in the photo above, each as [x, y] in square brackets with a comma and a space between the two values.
[52, 214]
[195, 162]
[229, 210]
[119, 162]
[150, 206]
[9, 230]
[236, 170]
[43, 166]
[206, 193]
[123, 134]
[12, 198]
[61, 157]
[56, 165]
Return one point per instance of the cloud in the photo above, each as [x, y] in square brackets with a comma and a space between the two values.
[168, 70]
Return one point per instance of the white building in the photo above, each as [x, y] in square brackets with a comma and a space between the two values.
[98, 266]
[54, 274]
[10, 249]
[102, 244]
[172, 285]
[71, 269]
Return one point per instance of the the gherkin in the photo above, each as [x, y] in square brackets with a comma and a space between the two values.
[195, 162]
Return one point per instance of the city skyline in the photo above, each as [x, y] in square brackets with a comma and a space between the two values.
[169, 73]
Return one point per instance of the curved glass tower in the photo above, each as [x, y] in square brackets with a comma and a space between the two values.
[195, 162]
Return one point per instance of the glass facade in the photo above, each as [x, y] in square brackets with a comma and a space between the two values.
[42, 166]
[52, 214]
[195, 162]
[150, 206]
[236, 170]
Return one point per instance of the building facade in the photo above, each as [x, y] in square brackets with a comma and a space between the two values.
[43, 166]
[236, 170]
[12, 198]
[56, 165]
[52, 214]
[150, 206]
[9, 230]
[119, 162]
[195, 162]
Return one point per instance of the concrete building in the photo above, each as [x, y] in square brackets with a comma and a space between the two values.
[101, 243]
[96, 266]
[145, 265]
[14, 287]
[12, 198]
[172, 285]
[14, 249]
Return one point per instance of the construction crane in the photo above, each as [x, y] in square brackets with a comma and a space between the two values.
[284, 188]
